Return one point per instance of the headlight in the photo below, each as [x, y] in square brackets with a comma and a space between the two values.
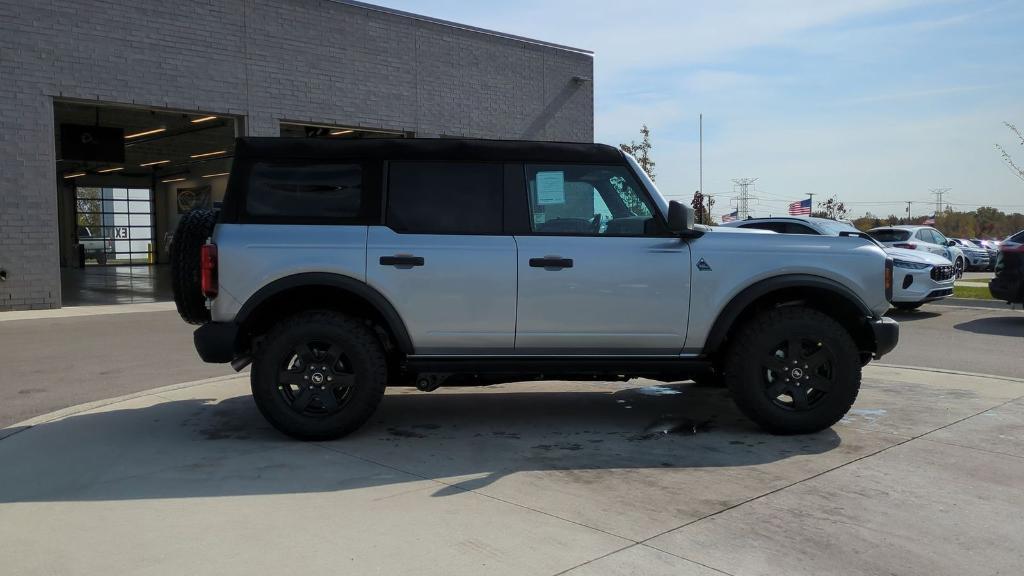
[910, 265]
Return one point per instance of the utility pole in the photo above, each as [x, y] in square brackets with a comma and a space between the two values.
[700, 137]
[908, 210]
[811, 196]
[938, 193]
[743, 186]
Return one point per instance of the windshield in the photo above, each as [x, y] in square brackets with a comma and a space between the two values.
[890, 235]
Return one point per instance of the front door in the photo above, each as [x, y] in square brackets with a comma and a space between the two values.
[597, 272]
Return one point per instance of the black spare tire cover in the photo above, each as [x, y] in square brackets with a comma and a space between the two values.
[193, 229]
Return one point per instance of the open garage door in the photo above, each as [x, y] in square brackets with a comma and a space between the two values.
[126, 175]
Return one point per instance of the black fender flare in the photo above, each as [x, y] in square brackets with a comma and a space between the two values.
[332, 280]
[731, 312]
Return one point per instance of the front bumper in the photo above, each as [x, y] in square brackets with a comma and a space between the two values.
[919, 286]
[215, 341]
[887, 335]
[1006, 289]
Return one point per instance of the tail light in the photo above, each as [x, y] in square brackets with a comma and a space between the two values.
[208, 270]
[888, 279]
[907, 245]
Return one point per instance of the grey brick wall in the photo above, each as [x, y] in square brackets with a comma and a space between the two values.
[316, 61]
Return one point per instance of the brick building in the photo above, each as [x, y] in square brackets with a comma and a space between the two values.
[164, 87]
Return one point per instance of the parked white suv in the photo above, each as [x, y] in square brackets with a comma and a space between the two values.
[918, 275]
[922, 238]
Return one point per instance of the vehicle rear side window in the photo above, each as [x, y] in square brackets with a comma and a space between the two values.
[890, 235]
[305, 190]
[445, 197]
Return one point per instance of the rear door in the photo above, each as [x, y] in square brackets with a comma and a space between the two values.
[598, 272]
[932, 242]
[442, 258]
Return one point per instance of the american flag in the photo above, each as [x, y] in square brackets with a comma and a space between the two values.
[730, 216]
[801, 208]
[930, 221]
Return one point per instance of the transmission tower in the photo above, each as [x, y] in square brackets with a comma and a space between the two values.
[742, 187]
[938, 193]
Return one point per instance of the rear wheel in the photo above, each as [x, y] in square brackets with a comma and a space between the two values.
[907, 306]
[319, 376]
[793, 370]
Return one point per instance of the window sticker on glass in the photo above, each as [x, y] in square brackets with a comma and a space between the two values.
[550, 188]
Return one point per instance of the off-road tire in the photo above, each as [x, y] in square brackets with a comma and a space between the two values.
[758, 338]
[193, 229]
[907, 306]
[363, 352]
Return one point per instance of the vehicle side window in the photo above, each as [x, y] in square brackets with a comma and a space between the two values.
[779, 227]
[445, 197]
[586, 200]
[792, 228]
[939, 238]
[305, 190]
[925, 235]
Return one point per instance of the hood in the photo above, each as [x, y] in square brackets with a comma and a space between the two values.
[917, 256]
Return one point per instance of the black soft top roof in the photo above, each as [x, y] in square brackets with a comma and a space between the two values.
[451, 149]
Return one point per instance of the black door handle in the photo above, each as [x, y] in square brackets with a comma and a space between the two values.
[401, 260]
[551, 262]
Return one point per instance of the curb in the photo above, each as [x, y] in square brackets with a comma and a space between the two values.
[955, 372]
[79, 408]
[79, 311]
[971, 303]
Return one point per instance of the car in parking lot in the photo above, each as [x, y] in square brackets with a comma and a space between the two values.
[337, 268]
[1008, 284]
[990, 246]
[918, 276]
[923, 238]
[975, 257]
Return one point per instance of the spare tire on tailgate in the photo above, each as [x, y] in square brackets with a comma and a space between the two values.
[193, 229]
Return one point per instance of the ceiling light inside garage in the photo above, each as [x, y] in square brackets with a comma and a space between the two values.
[145, 133]
[204, 119]
[205, 154]
[74, 175]
[155, 163]
[215, 175]
[165, 180]
[340, 132]
[105, 170]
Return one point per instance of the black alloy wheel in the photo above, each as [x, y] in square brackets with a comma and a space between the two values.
[316, 378]
[798, 373]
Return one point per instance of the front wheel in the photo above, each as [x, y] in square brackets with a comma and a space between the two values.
[958, 268]
[319, 376]
[793, 370]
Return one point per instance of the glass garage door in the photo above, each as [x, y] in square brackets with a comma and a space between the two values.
[115, 225]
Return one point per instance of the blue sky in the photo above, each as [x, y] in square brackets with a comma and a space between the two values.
[874, 101]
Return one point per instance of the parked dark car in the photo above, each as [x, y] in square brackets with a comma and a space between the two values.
[1008, 284]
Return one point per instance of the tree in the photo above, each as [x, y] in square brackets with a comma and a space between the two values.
[702, 206]
[642, 151]
[832, 209]
[1016, 168]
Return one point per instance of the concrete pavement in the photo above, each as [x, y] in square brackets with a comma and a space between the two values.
[923, 477]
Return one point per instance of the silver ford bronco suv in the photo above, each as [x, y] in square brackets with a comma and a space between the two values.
[340, 267]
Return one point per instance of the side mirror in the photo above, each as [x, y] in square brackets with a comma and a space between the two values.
[680, 220]
[950, 243]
